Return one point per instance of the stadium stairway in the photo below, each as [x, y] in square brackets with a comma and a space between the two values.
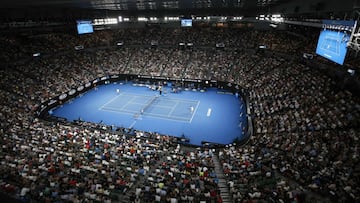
[223, 186]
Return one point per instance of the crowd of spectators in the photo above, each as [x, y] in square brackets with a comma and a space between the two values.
[25, 45]
[55, 162]
[181, 176]
[305, 129]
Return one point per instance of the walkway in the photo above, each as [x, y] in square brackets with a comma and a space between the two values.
[223, 186]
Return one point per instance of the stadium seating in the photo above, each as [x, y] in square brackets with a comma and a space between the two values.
[304, 148]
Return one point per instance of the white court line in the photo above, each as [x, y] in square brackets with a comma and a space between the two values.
[170, 99]
[133, 97]
[121, 112]
[325, 42]
[118, 110]
[197, 105]
[182, 100]
[111, 100]
[137, 103]
[154, 105]
[139, 95]
[132, 125]
[172, 118]
[127, 103]
[158, 116]
[126, 109]
[161, 106]
[173, 108]
[161, 99]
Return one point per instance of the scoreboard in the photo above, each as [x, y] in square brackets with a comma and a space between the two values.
[333, 39]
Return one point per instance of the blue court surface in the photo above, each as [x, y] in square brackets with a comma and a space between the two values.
[210, 116]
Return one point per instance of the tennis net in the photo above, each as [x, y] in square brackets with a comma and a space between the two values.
[148, 104]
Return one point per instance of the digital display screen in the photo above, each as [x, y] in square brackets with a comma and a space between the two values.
[333, 39]
[186, 22]
[84, 26]
[333, 45]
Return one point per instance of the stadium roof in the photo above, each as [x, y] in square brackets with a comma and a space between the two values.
[142, 4]
[29, 8]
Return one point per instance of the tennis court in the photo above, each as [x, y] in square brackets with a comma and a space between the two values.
[214, 117]
[152, 106]
[331, 44]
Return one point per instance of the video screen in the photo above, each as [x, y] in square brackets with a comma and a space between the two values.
[84, 26]
[186, 22]
[332, 43]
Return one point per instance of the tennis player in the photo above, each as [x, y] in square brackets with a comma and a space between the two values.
[191, 109]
